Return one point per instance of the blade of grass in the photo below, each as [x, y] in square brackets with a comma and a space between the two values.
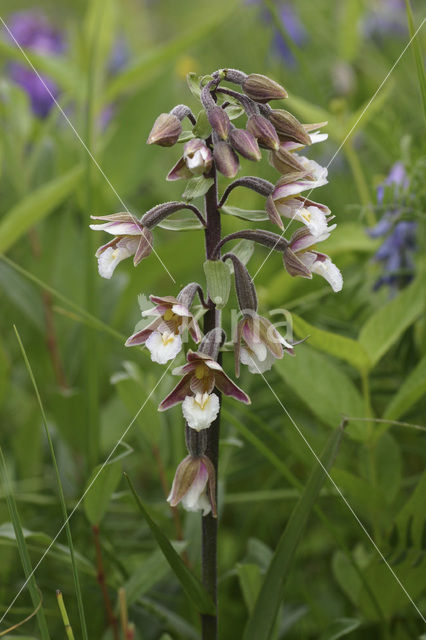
[262, 619]
[415, 45]
[60, 490]
[22, 622]
[23, 552]
[85, 315]
[190, 584]
[64, 615]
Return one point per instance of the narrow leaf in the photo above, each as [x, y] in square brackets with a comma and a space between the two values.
[190, 584]
[197, 187]
[387, 324]
[253, 215]
[339, 346]
[265, 610]
[36, 206]
[411, 390]
[98, 494]
[218, 278]
[339, 628]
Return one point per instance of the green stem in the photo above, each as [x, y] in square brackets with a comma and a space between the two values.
[360, 181]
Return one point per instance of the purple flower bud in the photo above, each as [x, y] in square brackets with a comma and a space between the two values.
[166, 130]
[262, 89]
[245, 143]
[286, 162]
[272, 212]
[264, 131]
[219, 121]
[246, 292]
[190, 485]
[225, 158]
[288, 127]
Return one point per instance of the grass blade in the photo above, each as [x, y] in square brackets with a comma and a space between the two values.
[64, 615]
[191, 585]
[415, 45]
[60, 491]
[261, 621]
[23, 553]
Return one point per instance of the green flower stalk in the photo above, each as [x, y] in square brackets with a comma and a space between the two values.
[213, 147]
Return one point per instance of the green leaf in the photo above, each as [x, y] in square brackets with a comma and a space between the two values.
[190, 584]
[339, 628]
[218, 278]
[36, 206]
[253, 215]
[197, 187]
[186, 222]
[348, 31]
[234, 111]
[261, 621]
[418, 58]
[411, 390]
[387, 324]
[244, 251]
[100, 486]
[339, 346]
[202, 128]
[250, 578]
[411, 520]
[327, 390]
[146, 575]
[24, 555]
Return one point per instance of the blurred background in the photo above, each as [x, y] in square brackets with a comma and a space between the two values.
[113, 67]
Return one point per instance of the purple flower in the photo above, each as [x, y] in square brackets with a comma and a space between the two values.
[386, 18]
[295, 30]
[32, 31]
[395, 252]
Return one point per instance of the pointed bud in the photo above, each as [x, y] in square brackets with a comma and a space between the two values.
[245, 143]
[219, 121]
[272, 212]
[166, 130]
[212, 342]
[190, 485]
[226, 160]
[246, 292]
[286, 162]
[264, 131]
[261, 88]
[294, 265]
[288, 127]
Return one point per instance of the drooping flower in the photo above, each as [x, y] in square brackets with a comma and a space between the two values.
[197, 159]
[131, 238]
[301, 260]
[201, 375]
[32, 30]
[258, 344]
[163, 335]
[194, 476]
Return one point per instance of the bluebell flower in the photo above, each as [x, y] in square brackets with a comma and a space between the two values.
[396, 251]
[32, 31]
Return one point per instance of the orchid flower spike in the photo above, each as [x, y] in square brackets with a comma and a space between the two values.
[131, 238]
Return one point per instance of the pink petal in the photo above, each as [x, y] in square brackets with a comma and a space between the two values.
[229, 388]
[140, 337]
[179, 393]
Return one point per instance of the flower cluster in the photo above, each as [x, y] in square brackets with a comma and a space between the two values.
[395, 254]
[214, 145]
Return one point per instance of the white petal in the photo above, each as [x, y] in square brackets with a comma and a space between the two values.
[254, 364]
[318, 173]
[200, 411]
[330, 272]
[163, 346]
[200, 504]
[118, 228]
[316, 136]
[111, 257]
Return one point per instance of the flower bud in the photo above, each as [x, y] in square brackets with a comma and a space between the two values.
[288, 127]
[246, 292]
[219, 121]
[226, 159]
[294, 265]
[262, 89]
[264, 131]
[198, 157]
[245, 143]
[286, 162]
[166, 130]
[272, 212]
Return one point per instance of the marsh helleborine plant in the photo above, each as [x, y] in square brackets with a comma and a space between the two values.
[213, 146]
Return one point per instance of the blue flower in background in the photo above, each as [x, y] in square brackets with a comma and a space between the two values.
[292, 26]
[385, 18]
[33, 31]
[399, 244]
